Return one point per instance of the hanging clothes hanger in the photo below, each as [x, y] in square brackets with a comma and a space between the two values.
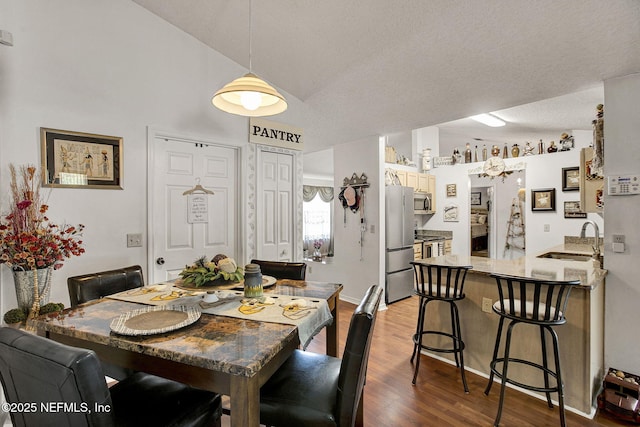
[197, 189]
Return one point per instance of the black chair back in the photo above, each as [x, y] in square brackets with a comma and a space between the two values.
[97, 285]
[282, 270]
[533, 300]
[356, 354]
[440, 281]
[35, 371]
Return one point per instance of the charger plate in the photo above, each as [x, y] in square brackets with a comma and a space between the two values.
[155, 319]
[218, 285]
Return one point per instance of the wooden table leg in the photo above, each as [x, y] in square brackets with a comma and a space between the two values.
[245, 402]
[333, 338]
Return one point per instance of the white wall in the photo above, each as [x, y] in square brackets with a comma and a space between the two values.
[622, 156]
[110, 68]
[355, 267]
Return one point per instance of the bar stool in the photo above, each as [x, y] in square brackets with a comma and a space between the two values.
[439, 283]
[535, 302]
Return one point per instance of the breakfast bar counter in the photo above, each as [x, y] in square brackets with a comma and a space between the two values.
[581, 338]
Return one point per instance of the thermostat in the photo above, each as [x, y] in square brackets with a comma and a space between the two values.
[623, 185]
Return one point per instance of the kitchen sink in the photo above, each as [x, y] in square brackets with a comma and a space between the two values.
[567, 256]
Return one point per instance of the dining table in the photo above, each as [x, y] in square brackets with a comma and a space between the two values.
[227, 355]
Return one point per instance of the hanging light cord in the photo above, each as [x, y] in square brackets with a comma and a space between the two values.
[250, 37]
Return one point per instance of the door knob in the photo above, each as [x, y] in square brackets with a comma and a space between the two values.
[160, 261]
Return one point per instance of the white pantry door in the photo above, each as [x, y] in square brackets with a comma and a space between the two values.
[275, 206]
[178, 166]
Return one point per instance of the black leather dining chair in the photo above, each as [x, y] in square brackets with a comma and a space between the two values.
[282, 270]
[92, 286]
[59, 385]
[314, 390]
[88, 287]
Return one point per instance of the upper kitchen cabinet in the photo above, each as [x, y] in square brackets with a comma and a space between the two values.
[402, 177]
[423, 182]
[412, 180]
[431, 179]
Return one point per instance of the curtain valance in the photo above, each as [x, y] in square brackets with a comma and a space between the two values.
[310, 191]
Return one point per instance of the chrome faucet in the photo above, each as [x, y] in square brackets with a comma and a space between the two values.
[596, 246]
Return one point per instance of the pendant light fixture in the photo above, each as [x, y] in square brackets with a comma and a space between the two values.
[249, 95]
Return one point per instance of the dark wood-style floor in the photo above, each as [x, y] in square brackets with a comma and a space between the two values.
[438, 398]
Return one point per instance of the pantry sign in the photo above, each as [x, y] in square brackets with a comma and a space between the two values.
[275, 134]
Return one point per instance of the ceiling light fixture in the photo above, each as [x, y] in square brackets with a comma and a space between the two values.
[489, 120]
[249, 95]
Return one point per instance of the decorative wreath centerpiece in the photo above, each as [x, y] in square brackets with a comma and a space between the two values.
[203, 272]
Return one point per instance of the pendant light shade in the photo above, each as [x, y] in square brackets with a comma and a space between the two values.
[249, 96]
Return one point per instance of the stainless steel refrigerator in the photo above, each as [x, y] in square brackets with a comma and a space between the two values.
[399, 242]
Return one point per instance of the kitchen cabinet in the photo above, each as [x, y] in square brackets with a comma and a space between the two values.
[402, 177]
[432, 189]
[423, 182]
[412, 180]
[417, 250]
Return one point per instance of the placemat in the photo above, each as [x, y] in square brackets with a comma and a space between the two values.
[310, 315]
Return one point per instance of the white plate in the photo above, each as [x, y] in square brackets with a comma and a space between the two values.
[155, 319]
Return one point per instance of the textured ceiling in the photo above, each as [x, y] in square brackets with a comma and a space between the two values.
[375, 67]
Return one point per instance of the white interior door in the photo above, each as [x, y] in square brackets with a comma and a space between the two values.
[176, 237]
[275, 206]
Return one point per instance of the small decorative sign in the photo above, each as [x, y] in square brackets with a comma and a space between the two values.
[451, 190]
[572, 210]
[198, 209]
[275, 134]
[442, 161]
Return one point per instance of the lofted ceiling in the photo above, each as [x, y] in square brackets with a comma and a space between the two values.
[375, 67]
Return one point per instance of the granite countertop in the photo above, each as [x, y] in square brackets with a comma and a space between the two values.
[588, 272]
[224, 344]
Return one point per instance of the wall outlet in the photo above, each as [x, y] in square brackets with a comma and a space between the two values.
[486, 305]
[618, 238]
[134, 240]
[547, 227]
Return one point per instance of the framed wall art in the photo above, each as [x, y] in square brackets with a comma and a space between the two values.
[571, 179]
[476, 199]
[81, 160]
[451, 190]
[450, 213]
[572, 210]
[543, 200]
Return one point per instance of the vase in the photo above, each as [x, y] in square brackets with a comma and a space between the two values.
[23, 281]
[317, 255]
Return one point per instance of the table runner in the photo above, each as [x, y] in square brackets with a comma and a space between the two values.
[309, 315]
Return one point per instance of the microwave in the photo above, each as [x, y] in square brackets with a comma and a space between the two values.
[422, 203]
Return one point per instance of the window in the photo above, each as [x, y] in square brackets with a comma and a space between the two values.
[317, 228]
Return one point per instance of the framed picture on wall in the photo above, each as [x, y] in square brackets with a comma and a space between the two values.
[81, 160]
[571, 179]
[451, 190]
[450, 213]
[476, 199]
[543, 199]
[572, 210]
